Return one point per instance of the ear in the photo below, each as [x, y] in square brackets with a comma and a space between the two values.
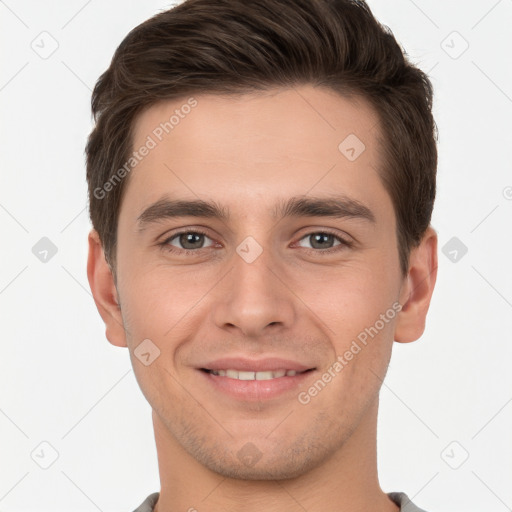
[417, 289]
[104, 291]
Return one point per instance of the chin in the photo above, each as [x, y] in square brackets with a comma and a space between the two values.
[263, 459]
[278, 467]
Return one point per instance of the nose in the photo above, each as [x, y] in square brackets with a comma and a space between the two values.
[254, 298]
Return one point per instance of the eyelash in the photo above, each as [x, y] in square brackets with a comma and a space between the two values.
[344, 244]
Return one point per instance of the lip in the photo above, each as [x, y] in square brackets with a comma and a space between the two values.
[256, 390]
[269, 364]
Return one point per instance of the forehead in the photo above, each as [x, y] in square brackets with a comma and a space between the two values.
[275, 117]
[285, 141]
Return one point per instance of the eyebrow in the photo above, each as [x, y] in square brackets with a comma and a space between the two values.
[299, 206]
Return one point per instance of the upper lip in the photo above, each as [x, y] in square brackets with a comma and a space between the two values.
[255, 365]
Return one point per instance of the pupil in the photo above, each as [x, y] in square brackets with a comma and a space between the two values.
[319, 239]
[191, 240]
[187, 240]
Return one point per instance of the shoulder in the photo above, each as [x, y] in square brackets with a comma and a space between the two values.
[148, 504]
[403, 501]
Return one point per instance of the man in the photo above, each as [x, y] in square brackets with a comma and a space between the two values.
[261, 183]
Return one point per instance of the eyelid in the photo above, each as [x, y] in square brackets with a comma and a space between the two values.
[165, 243]
[170, 233]
[344, 240]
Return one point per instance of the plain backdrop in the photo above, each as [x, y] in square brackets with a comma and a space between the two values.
[69, 400]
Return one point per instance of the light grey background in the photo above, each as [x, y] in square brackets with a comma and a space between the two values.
[447, 396]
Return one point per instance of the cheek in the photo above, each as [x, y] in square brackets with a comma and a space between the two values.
[156, 306]
[352, 300]
[359, 309]
[157, 300]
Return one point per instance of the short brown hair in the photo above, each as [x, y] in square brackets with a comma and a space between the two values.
[236, 46]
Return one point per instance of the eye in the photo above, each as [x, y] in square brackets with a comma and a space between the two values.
[323, 240]
[194, 240]
[187, 241]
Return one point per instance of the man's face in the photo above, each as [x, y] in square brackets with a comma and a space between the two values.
[257, 285]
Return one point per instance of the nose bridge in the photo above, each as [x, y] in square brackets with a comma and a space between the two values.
[253, 297]
[251, 273]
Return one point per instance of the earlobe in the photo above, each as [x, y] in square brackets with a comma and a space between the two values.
[104, 291]
[417, 289]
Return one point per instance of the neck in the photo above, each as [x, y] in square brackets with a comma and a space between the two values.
[347, 481]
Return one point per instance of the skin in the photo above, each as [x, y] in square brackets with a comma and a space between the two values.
[248, 153]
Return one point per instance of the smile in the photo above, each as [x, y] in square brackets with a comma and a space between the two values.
[247, 385]
[254, 375]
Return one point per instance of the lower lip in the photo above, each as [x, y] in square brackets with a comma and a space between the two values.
[256, 390]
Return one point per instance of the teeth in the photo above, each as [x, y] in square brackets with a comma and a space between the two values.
[245, 375]
[265, 375]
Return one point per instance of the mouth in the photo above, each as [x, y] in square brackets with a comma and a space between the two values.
[249, 381]
[255, 375]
